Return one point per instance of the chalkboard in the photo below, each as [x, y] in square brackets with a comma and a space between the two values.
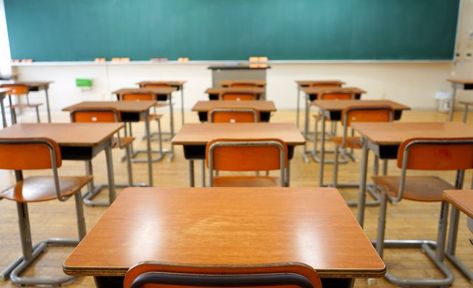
[72, 30]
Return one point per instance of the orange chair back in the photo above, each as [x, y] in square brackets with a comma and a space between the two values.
[325, 85]
[96, 115]
[243, 115]
[243, 84]
[240, 96]
[157, 85]
[436, 154]
[138, 97]
[17, 90]
[367, 114]
[246, 157]
[28, 153]
[336, 96]
[277, 275]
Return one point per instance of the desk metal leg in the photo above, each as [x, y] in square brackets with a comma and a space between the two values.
[171, 111]
[111, 178]
[452, 105]
[306, 116]
[182, 104]
[298, 105]
[12, 111]
[322, 153]
[48, 109]
[4, 117]
[191, 173]
[363, 177]
[148, 146]
[203, 173]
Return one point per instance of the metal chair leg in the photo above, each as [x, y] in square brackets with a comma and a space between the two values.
[37, 115]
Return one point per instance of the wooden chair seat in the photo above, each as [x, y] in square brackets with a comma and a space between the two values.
[155, 117]
[245, 181]
[461, 199]
[41, 188]
[123, 142]
[25, 105]
[418, 188]
[351, 142]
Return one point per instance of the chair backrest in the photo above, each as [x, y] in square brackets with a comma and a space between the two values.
[17, 89]
[95, 115]
[284, 275]
[239, 96]
[157, 85]
[243, 84]
[233, 115]
[247, 155]
[336, 95]
[29, 154]
[436, 154]
[325, 85]
[360, 113]
[138, 97]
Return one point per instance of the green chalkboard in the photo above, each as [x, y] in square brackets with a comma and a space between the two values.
[72, 30]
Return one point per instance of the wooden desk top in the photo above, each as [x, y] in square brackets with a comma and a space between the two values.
[121, 106]
[204, 106]
[461, 199]
[315, 90]
[227, 83]
[201, 134]
[460, 80]
[339, 105]
[227, 226]
[39, 84]
[168, 82]
[218, 90]
[393, 133]
[319, 82]
[65, 134]
[156, 91]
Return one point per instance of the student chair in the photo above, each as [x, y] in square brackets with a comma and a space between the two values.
[233, 115]
[461, 200]
[434, 154]
[239, 155]
[328, 95]
[19, 91]
[150, 274]
[104, 115]
[351, 115]
[35, 154]
[152, 117]
[239, 96]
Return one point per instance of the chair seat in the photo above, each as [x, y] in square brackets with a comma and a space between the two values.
[418, 188]
[41, 188]
[461, 199]
[25, 105]
[123, 142]
[155, 117]
[245, 181]
[351, 142]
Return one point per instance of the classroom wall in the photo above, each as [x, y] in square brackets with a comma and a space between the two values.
[5, 67]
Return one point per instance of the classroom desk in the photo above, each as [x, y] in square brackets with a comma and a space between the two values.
[264, 108]
[130, 111]
[178, 84]
[458, 83]
[383, 139]
[229, 83]
[227, 226]
[194, 138]
[312, 94]
[332, 110]
[312, 83]
[3, 94]
[214, 93]
[238, 72]
[161, 94]
[35, 86]
[77, 141]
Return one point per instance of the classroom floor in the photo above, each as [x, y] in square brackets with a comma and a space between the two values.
[408, 220]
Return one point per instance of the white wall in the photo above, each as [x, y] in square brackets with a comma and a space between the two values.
[464, 63]
[5, 67]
